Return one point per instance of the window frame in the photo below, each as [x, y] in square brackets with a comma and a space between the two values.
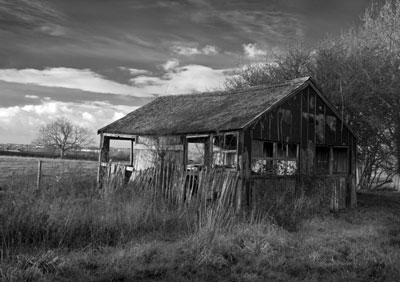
[328, 171]
[275, 159]
[223, 151]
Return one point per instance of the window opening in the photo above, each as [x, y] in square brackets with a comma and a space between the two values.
[282, 161]
[322, 159]
[268, 149]
[340, 160]
[196, 153]
[225, 150]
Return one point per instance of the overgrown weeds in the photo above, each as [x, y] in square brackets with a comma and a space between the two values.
[70, 214]
[135, 235]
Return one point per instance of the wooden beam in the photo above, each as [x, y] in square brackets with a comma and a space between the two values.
[120, 136]
[197, 135]
[177, 147]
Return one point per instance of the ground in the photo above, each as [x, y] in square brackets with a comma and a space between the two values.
[65, 233]
[356, 245]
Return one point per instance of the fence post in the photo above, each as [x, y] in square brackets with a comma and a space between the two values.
[39, 174]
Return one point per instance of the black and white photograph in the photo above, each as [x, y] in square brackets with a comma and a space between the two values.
[200, 140]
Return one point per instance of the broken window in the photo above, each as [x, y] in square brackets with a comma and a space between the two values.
[196, 152]
[274, 157]
[322, 159]
[225, 150]
[340, 160]
[287, 158]
[262, 157]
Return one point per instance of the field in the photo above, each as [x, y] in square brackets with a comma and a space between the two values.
[52, 169]
[68, 231]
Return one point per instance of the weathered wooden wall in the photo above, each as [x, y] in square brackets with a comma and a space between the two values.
[304, 119]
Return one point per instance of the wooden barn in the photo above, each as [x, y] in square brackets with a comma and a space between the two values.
[280, 130]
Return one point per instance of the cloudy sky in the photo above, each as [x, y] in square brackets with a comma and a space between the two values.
[93, 61]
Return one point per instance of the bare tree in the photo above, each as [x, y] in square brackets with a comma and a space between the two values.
[63, 135]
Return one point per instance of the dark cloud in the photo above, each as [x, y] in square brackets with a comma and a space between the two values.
[101, 34]
[20, 16]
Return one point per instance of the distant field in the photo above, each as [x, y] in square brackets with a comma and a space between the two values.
[52, 169]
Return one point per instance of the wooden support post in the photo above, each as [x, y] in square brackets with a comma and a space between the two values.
[39, 175]
[131, 155]
[207, 152]
[245, 171]
[185, 152]
[103, 157]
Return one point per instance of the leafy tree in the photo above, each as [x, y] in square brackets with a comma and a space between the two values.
[360, 72]
[63, 135]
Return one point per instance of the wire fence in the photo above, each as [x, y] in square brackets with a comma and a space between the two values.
[40, 172]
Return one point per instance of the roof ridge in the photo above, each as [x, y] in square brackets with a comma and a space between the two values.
[239, 90]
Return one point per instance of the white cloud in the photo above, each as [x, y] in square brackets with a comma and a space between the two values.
[174, 79]
[184, 79]
[142, 80]
[170, 64]
[185, 50]
[251, 50]
[194, 50]
[210, 50]
[118, 115]
[21, 122]
[84, 79]
[135, 71]
[53, 30]
[31, 96]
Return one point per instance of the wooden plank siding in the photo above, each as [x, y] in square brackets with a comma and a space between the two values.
[304, 119]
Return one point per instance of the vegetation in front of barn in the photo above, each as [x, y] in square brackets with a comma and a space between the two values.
[70, 232]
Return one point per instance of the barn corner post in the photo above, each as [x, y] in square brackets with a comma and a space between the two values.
[353, 176]
[103, 159]
[244, 193]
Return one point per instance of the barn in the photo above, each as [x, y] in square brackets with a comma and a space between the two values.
[266, 132]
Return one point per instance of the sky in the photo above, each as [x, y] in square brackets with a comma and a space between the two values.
[94, 61]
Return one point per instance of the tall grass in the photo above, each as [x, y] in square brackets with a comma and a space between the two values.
[47, 219]
[69, 231]
[71, 213]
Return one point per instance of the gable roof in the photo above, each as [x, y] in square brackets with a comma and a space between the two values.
[205, 112]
